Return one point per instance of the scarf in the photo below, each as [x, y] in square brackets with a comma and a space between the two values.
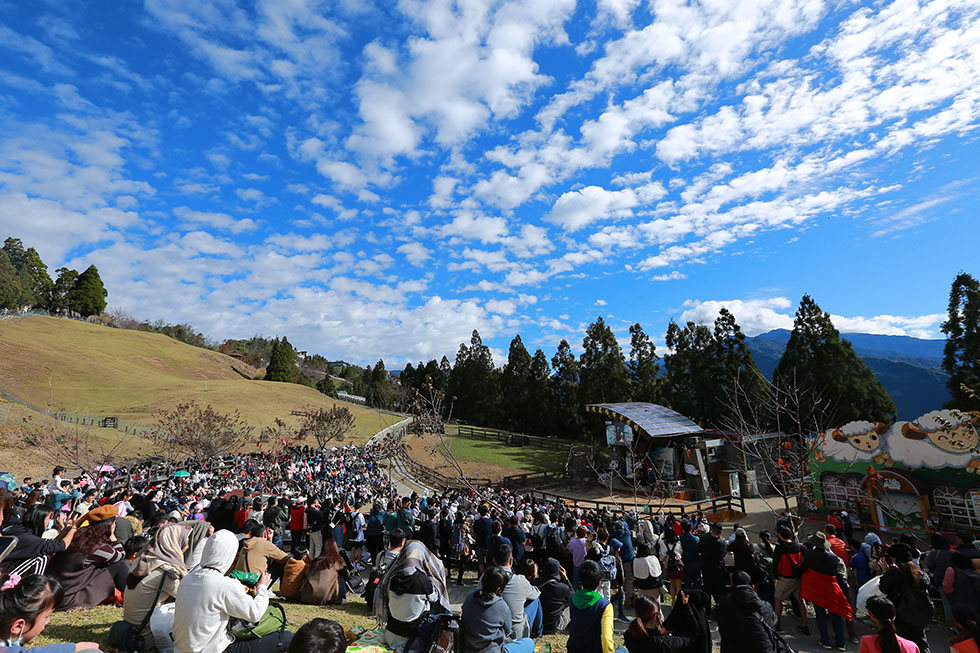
[165, 551]
[583, 598]
[412, 558]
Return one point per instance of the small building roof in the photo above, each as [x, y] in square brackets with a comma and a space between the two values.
[651, 420]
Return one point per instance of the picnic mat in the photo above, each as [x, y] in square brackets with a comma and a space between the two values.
[372, 641]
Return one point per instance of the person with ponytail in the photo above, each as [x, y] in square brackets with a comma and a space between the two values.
[967, 621]
[26, 605]
[646, 634]
[886, 640]
[487, 619]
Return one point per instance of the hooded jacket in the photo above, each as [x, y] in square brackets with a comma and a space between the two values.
[486, 623]
[207, 599]
[555, 593]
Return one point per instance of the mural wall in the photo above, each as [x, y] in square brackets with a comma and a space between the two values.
[923, 474]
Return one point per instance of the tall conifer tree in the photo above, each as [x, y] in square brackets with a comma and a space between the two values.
[961, 356]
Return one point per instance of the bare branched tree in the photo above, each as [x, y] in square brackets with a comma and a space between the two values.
[75, 447]
[777, 430]
[326, 424]
[193, 432]
[427, 411]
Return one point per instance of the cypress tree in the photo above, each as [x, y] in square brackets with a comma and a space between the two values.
[88, 295]
[830, 384]
[738, 379]
[604, 377]
[961, 356]
[644, 367]
[281, 362]
[10, 288]
[515, 382]
[691, 373]
[474, 383]
[567, 419]
[60, 293]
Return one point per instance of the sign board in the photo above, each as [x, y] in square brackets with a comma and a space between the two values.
[618, 434]
[110, 422]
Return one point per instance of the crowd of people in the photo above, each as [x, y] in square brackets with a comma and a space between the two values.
[191, 556]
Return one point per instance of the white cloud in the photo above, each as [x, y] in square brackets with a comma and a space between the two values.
[416, 253]
[600, 302]
[214, 219]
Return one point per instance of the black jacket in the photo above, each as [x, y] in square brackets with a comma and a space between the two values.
[29, 546]
[740, 616]
[555, 594]
[712, 551]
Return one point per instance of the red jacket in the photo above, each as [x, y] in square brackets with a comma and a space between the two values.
[297, 518]
[824, 591]
[839, 548]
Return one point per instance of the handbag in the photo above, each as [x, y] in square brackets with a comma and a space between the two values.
[272, 620]
[126, 637]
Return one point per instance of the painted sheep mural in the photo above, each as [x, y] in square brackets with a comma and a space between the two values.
[940, 439]
[921, 475]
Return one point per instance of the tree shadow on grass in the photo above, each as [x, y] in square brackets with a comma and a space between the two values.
[75, 633]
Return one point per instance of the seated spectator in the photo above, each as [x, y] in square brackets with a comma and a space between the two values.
[26, 605]
[885, 640]
[207, 600]
[200, 532]
[93, 567]
[522, 598]
[135, 546]
[414, 587]
[28, 532]
[161, 562]
[294, 573]
[257, 550]
[326, 578]
[590, 628]
[647, 634]
[319, 636]
[487, 619]
[552, 582]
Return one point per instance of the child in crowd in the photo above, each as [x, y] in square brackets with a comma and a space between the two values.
[26, 605]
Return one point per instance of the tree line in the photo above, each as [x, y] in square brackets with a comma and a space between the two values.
[26, 285]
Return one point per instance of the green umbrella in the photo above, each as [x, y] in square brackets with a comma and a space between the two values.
[181, 473]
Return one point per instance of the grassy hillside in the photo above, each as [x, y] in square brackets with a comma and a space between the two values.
[65, 365]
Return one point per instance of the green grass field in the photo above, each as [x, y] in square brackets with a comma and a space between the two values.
[86, 369]
[521, 459]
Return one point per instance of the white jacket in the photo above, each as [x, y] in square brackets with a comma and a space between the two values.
[207, 600]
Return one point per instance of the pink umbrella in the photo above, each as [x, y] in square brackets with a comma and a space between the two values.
[105, 468]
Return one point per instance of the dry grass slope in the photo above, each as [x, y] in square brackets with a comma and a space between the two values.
[65, 365]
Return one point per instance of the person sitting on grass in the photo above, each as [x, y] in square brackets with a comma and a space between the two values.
[648, 634]
[522, 598]
[26, 605]
[590, 627]
[487, 619]
[294, 573]
[319, 636]
[161, 562]
[326, 578]
[258, 554]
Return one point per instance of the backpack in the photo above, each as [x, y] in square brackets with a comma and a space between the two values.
[457, 543]
[554, 544]
[607, 564]
[350, 526]
[537, 541]
[914, 607]
[674, 562]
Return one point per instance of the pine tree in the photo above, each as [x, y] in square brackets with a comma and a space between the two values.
[10, 288]
[326, 386]
[567, 418]
[515, 382]
[817, 364]
[961, 356]
[281, 362]
[644, 367]
[88, 295]
[604, 377]
[540, 401]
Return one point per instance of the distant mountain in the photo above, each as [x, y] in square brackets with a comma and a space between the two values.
[909, 368]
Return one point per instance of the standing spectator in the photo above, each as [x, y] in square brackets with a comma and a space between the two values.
[885, 640]
[274, 517]
[961, 582]
[481, 536]
[672, 560]
[577, 548]
[837, 545]
[374, 533]
[516, 536]
[621, 532]
[787, 560]
[590, 628]
[297, 524]
[406, 520]
[314, 522]
[860, 563]
[744, 619]
[821, 586]
[712, 549]
[937, 561]
[902, 584]
[647, 574]
[358, 525]
[690, 555]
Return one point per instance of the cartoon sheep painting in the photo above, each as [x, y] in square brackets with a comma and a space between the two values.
[855, 441]
[942, 438]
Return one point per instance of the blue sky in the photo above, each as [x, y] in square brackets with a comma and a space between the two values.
[378, 179]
